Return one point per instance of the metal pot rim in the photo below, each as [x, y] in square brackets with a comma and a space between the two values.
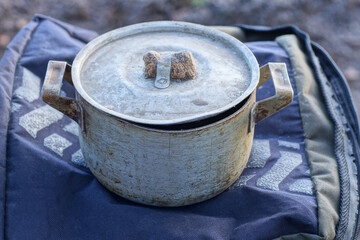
[156, 26]
[247, 103]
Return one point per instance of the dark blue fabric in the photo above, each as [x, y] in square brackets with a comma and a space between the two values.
[7, 67]
[49, 196]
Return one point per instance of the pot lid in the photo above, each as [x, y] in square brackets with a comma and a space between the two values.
[165, 72]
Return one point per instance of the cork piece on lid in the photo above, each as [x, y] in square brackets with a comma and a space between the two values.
[182, 65]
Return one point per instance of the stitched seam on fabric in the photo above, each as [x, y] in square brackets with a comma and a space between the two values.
[347, 102]
[356, 148]
[31, 31]
[339, 83]
[339, 153]
[332, 81]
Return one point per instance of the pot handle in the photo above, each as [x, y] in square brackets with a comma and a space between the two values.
[283, 90]
[56, 71]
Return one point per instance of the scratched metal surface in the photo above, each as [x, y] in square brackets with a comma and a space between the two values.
[166, 168]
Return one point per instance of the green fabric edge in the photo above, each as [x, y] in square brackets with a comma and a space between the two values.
[318, 147]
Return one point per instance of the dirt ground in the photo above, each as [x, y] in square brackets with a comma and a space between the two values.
[335, 24]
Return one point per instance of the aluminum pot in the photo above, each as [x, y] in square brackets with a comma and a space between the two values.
[167, 157]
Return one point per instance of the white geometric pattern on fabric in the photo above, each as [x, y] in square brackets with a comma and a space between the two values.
[78, 158]
[57, 143]
[302, 186]
[72, 128]
[241, 181]
[30, 88]
[287, 162]
[260, 153]
[287, 144]
[39, 119]
[15, 107]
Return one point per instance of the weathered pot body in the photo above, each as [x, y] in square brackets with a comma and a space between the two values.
[166, 168]
[139, 160]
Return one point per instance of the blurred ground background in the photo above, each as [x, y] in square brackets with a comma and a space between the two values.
[335, 24]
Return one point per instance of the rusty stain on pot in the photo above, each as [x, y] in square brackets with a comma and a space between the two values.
[158, 161]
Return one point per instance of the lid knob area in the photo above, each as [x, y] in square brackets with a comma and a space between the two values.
[169, 65]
